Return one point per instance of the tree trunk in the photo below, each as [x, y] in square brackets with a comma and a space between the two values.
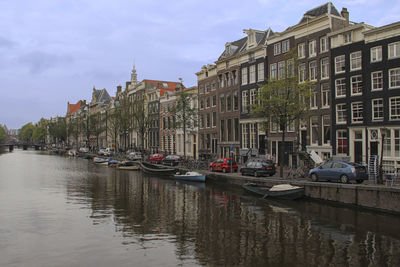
[282, 153]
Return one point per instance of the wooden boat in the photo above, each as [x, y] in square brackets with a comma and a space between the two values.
[99, 160]
[191, 176]
[156, 169]
[129, 168]
[285, 191]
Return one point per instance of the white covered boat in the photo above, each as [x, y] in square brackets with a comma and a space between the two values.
[191, 176]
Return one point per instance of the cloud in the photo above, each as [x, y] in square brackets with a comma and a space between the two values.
[6, 43]
[39, 61]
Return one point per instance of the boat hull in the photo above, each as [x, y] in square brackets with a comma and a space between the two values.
[156, 169]
[128, 168]
[264, 191]
[198, 178]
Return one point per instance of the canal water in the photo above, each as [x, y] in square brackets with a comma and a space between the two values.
[58, 211]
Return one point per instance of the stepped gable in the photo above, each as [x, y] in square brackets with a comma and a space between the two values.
[72, 108]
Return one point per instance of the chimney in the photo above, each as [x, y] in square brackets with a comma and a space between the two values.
[119, 89]
[345, 14]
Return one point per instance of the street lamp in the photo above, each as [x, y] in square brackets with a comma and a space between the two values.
[384, 132]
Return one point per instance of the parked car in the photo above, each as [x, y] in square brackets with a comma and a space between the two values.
[156, 158]
[339, 171]
[259, 168]
[83, 150]
[172, 160]
[103, 152]
[224, 165]
[135, 156]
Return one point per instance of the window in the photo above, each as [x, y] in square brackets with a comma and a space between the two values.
[376, 54]
[273, 73]
[281, 70]
[397, 143]
[377, 80]
[325, 92]
[222, 102]
[252, 73]
[252, 57]
[229, 129]
[313, 98]
[214, 119]
[253, 96]
[326, 128]
[245, 136]
[290, 126]
[394, 78]
[377, 109]
[314, 130]
[285, 46]
[208, 88]
[340, 86]
[228, 102]
[356, 85]
[394, 50]
[323, 44]
[260, 72]
[325, 68]
[348, 37]
[341, 141]
[202, 103]
[234, 76]
[244, 76]
[214, 100]
[274, 127]
[201, 89]
[235, 101]
[387, 144]
[207, 102]
[340, 64]
[313, 70]
[290, 67]
[341, 116]
[245, 101]
[253, 135]
[202, 121]
[213, 85]
[302, 73]
[221, 81]
[208, 122]
[222, 130]
[355, 60]
[312, 48]
[301, 53]
[357, 112]
[394, 108]
[277, 49]
[228, 79]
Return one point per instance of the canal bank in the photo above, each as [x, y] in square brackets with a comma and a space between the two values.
[370, 196]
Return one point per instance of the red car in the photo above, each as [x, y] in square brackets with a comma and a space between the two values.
[224, 165]
[156, 158]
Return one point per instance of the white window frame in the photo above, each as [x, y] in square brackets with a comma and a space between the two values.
[245, 95]
[273, 71]
[397, 81]
[394, 50]
[341, 118]
[252, 74]
[245, 135]
[281, 70]
[253, 96]
[348, 37]
[302, 73]
[377, 109]
[376, 54]
[324, 68]
[323, 44]
[396, 101]
[244, 76]
[355, 60]
[376, 81]
[325, 95]
[301, 51]
[339, 136]
[260, 72]
[357, 109]
[313, 99]
[341, 88]
[342, 61]
[277, 49]
[285, 46]
[312, 126]
[356, 84]
[312, 48]
[313, 70]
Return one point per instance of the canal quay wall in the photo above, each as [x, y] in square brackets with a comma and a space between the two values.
[370, 196]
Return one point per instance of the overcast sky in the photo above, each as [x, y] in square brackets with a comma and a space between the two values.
[55, 51]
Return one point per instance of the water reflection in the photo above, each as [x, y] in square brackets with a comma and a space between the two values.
[205, 224]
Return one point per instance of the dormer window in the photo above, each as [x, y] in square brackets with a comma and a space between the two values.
[348, 37]
[251, 38]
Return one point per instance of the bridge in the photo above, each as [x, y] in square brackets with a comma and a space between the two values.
[23, 145]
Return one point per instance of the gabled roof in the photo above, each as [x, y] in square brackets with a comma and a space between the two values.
[72, 108]
[164, 86]
[327, 8]
[232, 48]
[100, 97]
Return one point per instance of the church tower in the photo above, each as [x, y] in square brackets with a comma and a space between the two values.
[133, 76]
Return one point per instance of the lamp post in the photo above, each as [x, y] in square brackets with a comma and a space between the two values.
[380, 176]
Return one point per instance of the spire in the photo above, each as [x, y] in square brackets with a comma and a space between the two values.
[133, 74]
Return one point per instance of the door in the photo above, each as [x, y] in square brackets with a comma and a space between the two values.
[303, 140]
[373, 148]
[194, 151]
[358, 151]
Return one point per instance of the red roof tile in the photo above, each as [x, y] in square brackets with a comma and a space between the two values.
[72, 108]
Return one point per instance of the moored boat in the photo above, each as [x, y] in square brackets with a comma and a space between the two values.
[99, 160]
[156, 169]
[191, 176]
[285, 191]
[128, 165]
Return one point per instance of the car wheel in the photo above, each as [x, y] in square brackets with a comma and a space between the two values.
[314, 177]
[344, 179]
[223, 170]
[359, 181]
[271, 174]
